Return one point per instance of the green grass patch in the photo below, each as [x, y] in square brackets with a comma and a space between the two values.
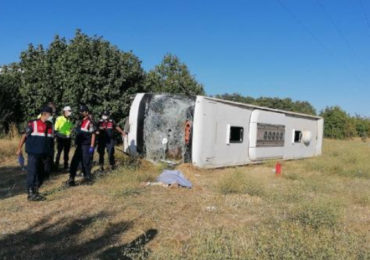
[280, 240]
[241, 183]
[348, 159]
[292, 176]
[316, 214]
[126, 182]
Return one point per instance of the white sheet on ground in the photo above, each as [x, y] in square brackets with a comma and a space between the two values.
[172, 177]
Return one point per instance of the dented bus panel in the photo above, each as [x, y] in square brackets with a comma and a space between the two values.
[161, 127]
[210, 133]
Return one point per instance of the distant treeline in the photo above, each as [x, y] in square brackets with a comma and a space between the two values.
[338, 123]
[277, 103]
[90, 70]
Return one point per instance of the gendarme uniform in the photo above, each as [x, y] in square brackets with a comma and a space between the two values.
[49, 161]
[106, 140]
[84, 131]
[39, 140]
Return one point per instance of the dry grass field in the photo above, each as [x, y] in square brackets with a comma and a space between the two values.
[318, 209]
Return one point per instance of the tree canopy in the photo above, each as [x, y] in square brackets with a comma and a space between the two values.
[84, 70]
[172, 76]
[338, 124]
[10, 99]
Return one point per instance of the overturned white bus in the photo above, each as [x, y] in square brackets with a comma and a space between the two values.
[209, 132]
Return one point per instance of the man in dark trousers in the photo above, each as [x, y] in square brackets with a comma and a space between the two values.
[85, 142]
[63, 128]
[106, 128]
[38, 137]
[49, 162]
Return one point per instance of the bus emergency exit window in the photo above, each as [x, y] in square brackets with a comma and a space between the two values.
[236, 134]
[297, 136]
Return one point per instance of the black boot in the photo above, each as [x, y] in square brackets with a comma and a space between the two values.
[66, 166]
[38, 195]
[101, 168]
[56, 167]
[87, 180]
[71, 182]
[33, 195]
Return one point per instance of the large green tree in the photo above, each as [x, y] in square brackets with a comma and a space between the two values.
[11, 108]
[172, 76]
[338, 124]
[85, 70]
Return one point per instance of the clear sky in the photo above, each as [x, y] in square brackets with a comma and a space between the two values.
[314, 50]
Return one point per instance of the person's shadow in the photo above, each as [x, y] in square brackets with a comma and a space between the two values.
[62, 240]
[133, 250]
[12, 181]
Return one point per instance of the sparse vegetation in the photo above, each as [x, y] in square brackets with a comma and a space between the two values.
[275, 241]
[343, 161]
[8, 147]
[239, 182]
[318, 209]
[316, 214]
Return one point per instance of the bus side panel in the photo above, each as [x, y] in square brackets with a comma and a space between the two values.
[264, 126]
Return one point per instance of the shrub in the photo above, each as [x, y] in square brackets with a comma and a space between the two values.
[337, 123]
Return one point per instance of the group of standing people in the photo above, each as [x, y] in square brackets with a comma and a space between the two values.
[39, 138]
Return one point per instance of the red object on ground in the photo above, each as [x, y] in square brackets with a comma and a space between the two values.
[278, 169]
